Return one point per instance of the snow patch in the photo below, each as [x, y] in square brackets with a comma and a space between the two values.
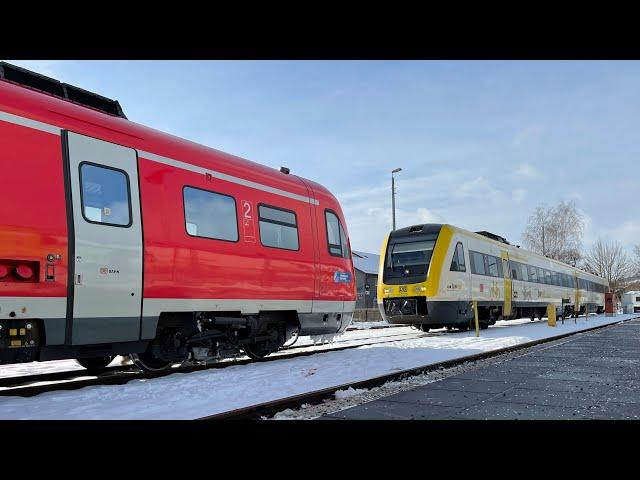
[349, 392]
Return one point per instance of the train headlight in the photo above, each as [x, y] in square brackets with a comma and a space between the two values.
[420, 289]
[387, 291]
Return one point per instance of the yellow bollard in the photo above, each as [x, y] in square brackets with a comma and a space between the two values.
[551, 315]
[475, 316]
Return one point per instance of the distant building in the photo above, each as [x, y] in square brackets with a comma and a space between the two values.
[366, 266]
[631, 302]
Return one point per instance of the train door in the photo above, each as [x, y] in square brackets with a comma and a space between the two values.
[577, 293]
[106, 290]
[508, 293]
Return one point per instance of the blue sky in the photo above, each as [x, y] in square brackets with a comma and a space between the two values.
[480, 143]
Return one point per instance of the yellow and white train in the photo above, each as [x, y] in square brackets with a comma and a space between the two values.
[430, 274]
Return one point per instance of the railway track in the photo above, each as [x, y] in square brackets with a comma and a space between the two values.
[31, 385]
[268, 409]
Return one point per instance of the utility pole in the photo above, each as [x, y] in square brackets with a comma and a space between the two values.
[543, 240]
[393, 196]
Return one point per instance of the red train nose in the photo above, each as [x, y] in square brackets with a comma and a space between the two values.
[24, 272]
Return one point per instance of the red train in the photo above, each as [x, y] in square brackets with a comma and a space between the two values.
[119, 239]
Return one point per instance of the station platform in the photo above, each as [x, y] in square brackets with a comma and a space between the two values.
[592, 375]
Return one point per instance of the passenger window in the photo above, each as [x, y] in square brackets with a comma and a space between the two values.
[336, 238]
[210, 215]
[457, 263]
[524, 272]
[104, 194]
[547, 277]
[515, 275]
[492, 265]
[278, 228]
[533, 273]
[477, 263]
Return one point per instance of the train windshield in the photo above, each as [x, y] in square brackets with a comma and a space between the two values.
[408, 262]
[411, 254]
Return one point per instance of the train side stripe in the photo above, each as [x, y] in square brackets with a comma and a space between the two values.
[224, 176]
[155, 306]
[45, 307]
[27, 122]
[48, 128]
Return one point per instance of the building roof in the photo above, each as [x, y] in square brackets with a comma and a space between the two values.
[366, 262]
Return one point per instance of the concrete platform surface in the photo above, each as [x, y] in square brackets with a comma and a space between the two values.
[594, 375]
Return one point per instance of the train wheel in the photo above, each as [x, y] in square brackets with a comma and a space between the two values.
[463, 327]
[149, 363]
[424, 328]
[484, 326]
[257, 350]
[94, 364]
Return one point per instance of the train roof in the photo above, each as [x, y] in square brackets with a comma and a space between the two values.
[50, 109]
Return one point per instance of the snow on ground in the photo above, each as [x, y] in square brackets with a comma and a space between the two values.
[198, 394]
[36, 368]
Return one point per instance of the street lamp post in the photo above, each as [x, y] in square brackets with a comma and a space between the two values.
[393, 196]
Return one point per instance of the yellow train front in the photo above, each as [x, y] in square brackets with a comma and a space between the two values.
[430, 275]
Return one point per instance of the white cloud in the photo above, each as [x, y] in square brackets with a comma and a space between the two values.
[628, 233]
[519, 195]
[527, 171]
[526, 136]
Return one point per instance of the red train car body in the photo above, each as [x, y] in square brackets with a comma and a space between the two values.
[119, 239]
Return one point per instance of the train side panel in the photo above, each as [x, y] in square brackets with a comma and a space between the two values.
[34, 228]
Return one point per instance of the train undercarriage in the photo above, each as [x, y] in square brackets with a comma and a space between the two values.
[193, 337]
[204, 337]
[426, 315]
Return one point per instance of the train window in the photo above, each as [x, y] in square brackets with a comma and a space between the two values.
[457, 263]
[105, 195]
[278, 228]
[336, 238]
[210, 215]
[477, 263]
[345, 244]
[524, 272]
[515, 270]
[492, 266]
[547, 277]
[533, 273]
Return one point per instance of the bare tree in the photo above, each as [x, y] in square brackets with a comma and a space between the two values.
[556, 232]
[610, 261]
[636, 259]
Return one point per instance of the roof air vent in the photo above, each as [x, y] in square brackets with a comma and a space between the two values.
[493, 236]
[415, 228]
[284, 170]
[27, 78]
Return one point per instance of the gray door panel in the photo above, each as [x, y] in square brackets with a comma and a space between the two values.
[107, 288]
